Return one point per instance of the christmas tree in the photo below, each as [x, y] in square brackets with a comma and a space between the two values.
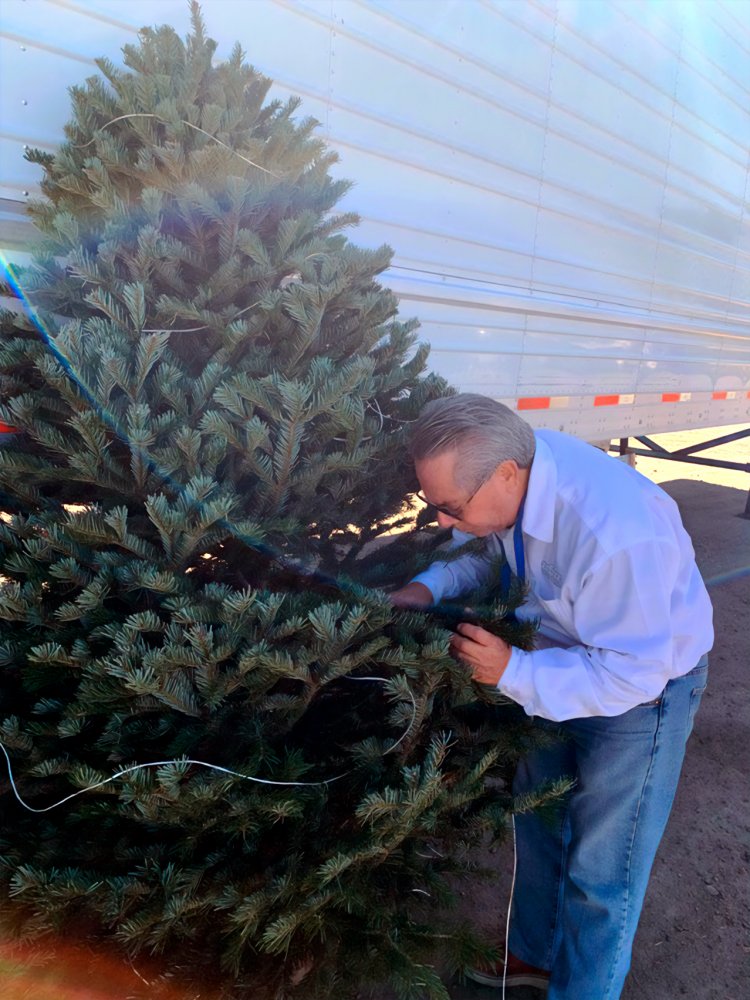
[209, 392]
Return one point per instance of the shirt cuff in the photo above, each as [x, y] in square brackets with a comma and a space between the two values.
[512, 683]
[434, 580]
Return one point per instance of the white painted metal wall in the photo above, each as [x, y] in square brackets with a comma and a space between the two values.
[564, 182]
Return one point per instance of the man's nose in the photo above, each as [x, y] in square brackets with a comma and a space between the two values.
[445, 520]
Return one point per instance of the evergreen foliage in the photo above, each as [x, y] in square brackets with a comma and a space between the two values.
[209, 410]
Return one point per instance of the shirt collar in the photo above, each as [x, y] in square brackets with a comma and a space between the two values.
[539, 508]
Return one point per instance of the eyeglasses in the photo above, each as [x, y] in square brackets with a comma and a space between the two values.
[446, 510]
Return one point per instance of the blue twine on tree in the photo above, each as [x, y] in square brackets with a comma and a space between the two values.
[306, 573]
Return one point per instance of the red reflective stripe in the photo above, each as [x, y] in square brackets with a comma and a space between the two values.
[7, 429]
[670, 397]
[534, 403]
[719, 395]
[606, 400]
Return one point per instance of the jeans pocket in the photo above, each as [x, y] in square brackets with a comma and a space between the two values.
[695, 699]
[652, 704]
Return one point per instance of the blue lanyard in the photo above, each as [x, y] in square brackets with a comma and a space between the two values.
[505, 575]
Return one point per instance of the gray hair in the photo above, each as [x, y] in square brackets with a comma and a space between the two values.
[483, 430]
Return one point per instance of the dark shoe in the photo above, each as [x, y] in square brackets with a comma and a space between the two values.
[517, 973]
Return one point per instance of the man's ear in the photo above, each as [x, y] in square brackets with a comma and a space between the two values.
[508, 472]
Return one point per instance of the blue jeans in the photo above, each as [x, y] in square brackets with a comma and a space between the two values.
[582, 878]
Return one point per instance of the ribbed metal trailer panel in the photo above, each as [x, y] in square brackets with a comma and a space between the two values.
[565, 184]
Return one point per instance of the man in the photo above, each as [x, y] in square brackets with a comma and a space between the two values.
[620, 667]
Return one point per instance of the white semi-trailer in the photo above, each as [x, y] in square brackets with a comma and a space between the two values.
[565, 184]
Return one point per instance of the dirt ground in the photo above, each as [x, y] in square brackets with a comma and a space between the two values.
[694, 935]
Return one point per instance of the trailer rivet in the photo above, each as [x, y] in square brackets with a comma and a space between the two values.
[26, 193]
[24, 103]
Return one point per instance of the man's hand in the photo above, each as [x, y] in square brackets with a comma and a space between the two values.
[485, 653]
[413, 595]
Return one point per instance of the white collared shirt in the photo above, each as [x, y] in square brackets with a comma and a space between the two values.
[613, 581]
